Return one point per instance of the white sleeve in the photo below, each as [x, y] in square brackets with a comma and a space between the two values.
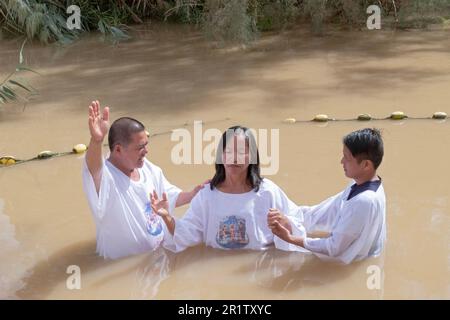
[97, 201]
[295, 216]
[297, 230]
[172, 191]
[189, 230]
[348, 230]
[321, 216]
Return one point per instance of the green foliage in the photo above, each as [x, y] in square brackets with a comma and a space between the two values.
[42, 21]
[275, 14]
[222, 20]
[317, 11]
[227, 20]
[185, 11]
[46, 20]
[420, 13]
[13, 87]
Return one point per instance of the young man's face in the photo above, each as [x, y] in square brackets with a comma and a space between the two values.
[133, 155]
[352, 168]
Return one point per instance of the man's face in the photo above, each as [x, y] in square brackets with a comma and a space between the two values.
[352, 168]
[133, 155]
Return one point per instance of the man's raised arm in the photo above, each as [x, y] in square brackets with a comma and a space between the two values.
[98, 127]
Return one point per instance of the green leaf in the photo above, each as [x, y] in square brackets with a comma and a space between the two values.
[21, 52]
[118, 33]
[27, 84]
[101, 27]
[15, 94]
[8, 92]
[17, 83]
[2, 98]
[21, 68]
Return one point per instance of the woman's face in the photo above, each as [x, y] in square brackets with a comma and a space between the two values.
[236, 156]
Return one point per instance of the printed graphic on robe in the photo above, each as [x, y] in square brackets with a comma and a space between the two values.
[152, 221]
[232, 234]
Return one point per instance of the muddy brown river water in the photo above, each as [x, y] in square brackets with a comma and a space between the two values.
[168, 77]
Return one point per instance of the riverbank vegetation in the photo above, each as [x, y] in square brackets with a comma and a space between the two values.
[238, 21]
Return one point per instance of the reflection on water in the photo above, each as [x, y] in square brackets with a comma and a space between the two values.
[273, 274]
[166, 81]
[154, 270]
[14, 261]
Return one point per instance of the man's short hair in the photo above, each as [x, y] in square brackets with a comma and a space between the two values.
[121, 131]
[366, 144]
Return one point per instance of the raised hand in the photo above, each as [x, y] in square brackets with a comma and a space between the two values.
[160, 206]
[98, 121]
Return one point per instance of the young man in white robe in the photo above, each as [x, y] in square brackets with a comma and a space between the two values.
[355, 218]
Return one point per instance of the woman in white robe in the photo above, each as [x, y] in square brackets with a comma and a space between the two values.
[231, 211]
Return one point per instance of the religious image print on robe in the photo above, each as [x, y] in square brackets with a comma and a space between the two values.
[153, 223]
[232, 233]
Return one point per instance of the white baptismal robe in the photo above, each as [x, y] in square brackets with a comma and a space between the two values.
[233, 221]
[357, 225]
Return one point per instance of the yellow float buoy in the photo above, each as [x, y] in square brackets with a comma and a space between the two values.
[46, 154]
[79, 148]
[321, 118]
[398, 115]
[7, 160]
[364, 117]
[439, 115]
[290, 120]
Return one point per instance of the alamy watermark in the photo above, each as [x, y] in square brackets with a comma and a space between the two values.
[74, 20]
[374, 279]
[73, 282]
[191, 149]
[374, 20]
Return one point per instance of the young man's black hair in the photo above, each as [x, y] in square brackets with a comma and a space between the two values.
[366, 144]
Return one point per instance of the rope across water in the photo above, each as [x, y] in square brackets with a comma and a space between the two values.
[81, 148]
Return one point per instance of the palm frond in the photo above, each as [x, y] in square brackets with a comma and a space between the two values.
[12, 86]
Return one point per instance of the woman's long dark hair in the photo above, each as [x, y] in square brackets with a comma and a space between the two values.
[253, 172]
